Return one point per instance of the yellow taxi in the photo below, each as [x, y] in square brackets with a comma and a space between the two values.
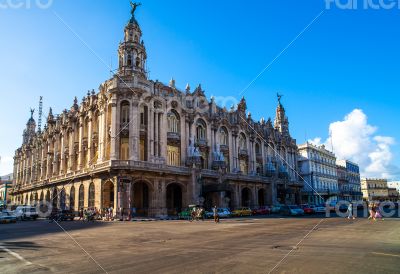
[242, 211]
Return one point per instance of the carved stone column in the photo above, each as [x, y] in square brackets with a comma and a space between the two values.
[134, 131]
[113, 153]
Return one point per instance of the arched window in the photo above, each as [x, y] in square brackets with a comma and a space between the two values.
[81, 199]
[129, 63]
[201, 130]
[223, 136]
[242, 141]
[124, 112]
[258, 148]
[91, 195]
[137, 62]
[173, 122]
[72, 198]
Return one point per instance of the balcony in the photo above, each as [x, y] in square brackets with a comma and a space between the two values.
[201, 142]
[174, 137]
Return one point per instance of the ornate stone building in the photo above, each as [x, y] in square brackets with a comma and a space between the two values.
[140, 143]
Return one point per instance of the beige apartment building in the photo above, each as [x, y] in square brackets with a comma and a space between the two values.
[374, 189]
[140, 143]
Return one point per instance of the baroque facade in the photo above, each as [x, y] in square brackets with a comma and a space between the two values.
[140, 143]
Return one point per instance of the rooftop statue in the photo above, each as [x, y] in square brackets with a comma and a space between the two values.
[279, 97]
[134, 6]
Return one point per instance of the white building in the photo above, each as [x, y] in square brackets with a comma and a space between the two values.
[317, 167]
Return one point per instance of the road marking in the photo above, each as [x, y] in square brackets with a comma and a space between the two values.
[16, 255]
[386, 254]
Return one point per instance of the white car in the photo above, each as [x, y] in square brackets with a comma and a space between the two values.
[318, 208]
[276, 208]
[26, 212]
[222, 213]
[291, 210]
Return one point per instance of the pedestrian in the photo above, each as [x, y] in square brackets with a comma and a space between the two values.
[215, 213]
[81, 214]
[350, 212]
[193, 214]
[133, 212]
[371, 211]
[110, 210]
[377, 213]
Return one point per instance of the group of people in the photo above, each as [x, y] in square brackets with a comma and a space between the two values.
[374, 212]
[198, 213]
[92, 214]
[373, 209]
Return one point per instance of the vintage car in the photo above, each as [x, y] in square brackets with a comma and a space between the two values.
[261, 210]
[26, 212]
[7, 217]
[242, 211]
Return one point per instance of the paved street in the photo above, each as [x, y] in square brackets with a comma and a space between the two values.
[233, 246]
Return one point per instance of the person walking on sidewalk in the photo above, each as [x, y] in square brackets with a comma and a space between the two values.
[215, 213]
[350, 212]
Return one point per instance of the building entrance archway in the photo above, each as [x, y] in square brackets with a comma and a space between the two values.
[261, 197]
[140, 198]
[246, 197]
[174, 199]
[108, 195]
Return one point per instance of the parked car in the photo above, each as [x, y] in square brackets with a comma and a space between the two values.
[292, 210]
[26, 212]
[7, 217]
[222, 213]
[262, 210]
[242, 211]
[62, 215]
[276, 208]
[318, 208]
[307, 209]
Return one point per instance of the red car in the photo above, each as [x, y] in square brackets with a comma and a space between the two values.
[262, 210]
[307, 209]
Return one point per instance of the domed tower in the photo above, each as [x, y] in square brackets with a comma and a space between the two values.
[132, 52]
[281, 122]
[30, 130]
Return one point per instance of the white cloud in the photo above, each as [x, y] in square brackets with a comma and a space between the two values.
[6, 165]
[356, 140]
[316, 141]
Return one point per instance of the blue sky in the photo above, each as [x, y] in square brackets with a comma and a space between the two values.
[346, 60]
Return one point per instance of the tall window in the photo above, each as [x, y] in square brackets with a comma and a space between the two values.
[91, 195]
[81, 199]
[201, 130]
[242, 141]
[223, 136]
[124, 149]
[174, 156]
[72, 198]
[129, 60]
[124, 112]
[258, 148]
[173, 122]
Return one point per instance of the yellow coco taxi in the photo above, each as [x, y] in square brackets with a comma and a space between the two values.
[242, 211]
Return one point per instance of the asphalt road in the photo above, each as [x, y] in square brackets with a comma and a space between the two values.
[250, 245]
